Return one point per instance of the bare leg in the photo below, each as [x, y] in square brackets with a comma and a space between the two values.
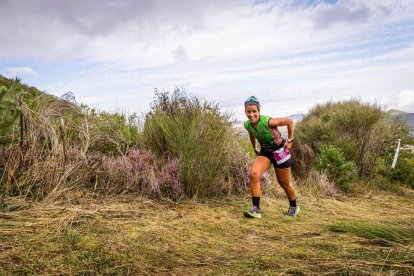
[284, 179]
[260, 165]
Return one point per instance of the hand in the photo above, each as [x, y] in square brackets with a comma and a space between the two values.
[287, 145]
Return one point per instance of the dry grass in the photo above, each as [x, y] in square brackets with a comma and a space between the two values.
[135, 235]
[45, 164]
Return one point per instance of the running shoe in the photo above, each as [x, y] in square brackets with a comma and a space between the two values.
[253, 212]
[293, 211]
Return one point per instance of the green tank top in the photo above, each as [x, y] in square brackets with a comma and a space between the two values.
[269, 139]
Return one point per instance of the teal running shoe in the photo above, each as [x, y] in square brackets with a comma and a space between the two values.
[253, 212]
[293, 211]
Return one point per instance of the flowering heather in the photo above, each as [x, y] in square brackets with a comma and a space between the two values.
[116, 174]
[142, 159]
[170, 179]
[145, 166]
[138, 171]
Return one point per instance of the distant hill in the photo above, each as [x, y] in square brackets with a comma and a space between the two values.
[296, 117]
[395, 112]
[409, 118]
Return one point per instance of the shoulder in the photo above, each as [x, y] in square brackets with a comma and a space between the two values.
[246, 124]
[265, 119]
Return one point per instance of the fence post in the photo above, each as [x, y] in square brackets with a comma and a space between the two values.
[394, 162]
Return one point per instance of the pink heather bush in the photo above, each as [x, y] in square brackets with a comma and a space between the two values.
[146, 169]
[170, 183]
[116, 175]
[137, 171]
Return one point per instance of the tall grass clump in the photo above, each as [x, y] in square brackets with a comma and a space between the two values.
[362, 131]
[202, 139]
[54, 144]
[403, 234]
[45, 160]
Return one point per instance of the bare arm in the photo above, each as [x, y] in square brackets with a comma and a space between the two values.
[253, 141]
[275, 122]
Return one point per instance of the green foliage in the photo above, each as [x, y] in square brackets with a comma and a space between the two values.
[9, 111]
[362, 131]
[202, 138]
[114, 133]
[331, 162]
[403, 173]
[27, 93]
[12, 95]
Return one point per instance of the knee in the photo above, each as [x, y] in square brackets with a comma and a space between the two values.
[255, 175]
[285, 184]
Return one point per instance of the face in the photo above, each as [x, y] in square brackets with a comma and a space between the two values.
[252, 113]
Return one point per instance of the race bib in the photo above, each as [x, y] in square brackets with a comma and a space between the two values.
[281, 155]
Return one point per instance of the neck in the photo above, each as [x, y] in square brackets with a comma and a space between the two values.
[255, 124]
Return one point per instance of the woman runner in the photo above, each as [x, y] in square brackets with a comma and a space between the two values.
[274, 149]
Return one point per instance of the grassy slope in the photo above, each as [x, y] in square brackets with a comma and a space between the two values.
[367, 234]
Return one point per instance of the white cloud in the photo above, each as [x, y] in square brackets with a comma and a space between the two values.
[404, 101]
[20, 71]
[279, 51]
[405, 53]
[151, 33]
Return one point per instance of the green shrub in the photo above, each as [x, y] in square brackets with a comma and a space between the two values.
[361, 130]
[331, 162]
[113, 133]
[403, 173]
[195, 132]
[9, 112]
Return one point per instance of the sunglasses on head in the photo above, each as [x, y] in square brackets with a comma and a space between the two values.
[251, 100]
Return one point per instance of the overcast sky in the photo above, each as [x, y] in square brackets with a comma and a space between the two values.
[290, 54]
